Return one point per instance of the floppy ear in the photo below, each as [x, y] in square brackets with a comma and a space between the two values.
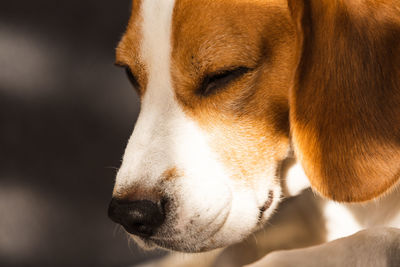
[345, 104]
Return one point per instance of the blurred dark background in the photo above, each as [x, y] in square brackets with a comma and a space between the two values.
[66, 114]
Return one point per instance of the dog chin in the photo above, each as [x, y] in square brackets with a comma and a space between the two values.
[170, 245]
[178, 245]
[193, 245]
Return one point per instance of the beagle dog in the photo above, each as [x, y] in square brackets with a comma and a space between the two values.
[228, 89]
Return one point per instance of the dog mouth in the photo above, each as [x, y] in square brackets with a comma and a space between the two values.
[177, 242]
[174, 242]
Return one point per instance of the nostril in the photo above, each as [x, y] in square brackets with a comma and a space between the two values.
[140, 218]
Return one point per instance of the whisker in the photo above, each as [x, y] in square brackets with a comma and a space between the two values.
[255, 239]
[117, 227]
[130, 242]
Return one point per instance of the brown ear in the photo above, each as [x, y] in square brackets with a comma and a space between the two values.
[345, 104]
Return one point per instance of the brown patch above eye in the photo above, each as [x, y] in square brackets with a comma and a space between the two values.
[128, 51]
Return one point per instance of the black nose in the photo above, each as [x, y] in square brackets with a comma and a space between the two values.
[139, 218]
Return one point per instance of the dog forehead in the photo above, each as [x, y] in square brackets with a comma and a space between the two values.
[214, 34]
[211, 29]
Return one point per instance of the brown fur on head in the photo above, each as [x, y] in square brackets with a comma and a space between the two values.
[228, 85]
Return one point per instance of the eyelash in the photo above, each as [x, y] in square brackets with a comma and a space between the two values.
[213, 82]
[132, 78]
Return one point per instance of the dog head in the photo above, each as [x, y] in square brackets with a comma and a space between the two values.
[201, 169]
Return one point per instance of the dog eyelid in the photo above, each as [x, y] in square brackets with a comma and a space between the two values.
[211, 83]
[132, 78]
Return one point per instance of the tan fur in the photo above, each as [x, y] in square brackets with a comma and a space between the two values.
[134, 193]
[128, 50]
[139, 192]
[345, 102]
[247, 118]
[171, 174]
[345, 106]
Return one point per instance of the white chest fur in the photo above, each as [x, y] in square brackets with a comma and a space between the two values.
[346, 219]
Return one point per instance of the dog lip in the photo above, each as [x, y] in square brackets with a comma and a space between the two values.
[267, 203]
[176, 243]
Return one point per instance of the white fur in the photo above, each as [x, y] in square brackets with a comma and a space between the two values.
[296, 180]
[339, 221]
[346, 219]
[209, 208]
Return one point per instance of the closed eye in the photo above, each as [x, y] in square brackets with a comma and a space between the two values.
[131, 77]
[213, 82]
